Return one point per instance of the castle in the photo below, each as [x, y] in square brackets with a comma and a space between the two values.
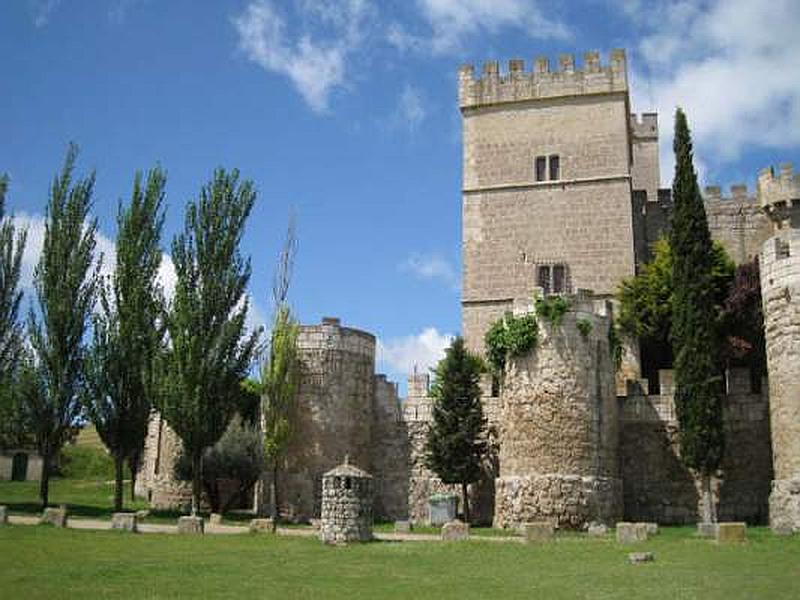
[560, 196]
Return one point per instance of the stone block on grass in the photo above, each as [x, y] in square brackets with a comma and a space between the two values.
[455, 530]
[597, 530]
[650, 527]
[707, 530]
[125, 521]
[631, 533]
[57, 517]
[190, 525]
[537, 532]
[731, 533]
[3, 515]
[262, 526]
[215, 519]
[638, 558]
[402, 527]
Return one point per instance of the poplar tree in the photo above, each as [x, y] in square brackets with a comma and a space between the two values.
[698, 399]
[456, 444]
[65, 282]
[208, 350]
[127, 330]
[12, 246]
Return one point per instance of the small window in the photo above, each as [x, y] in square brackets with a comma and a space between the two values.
[559, 279]
[782, 249]
[541, 168]
[543, 278]
[555, 173]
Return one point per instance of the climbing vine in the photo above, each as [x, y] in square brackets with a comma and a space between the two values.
[552, 308]
[585, 327]
[508, 337]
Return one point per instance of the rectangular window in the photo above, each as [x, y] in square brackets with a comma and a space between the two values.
[541, 168]
[543, 278]
[559, 279]
[555, 173]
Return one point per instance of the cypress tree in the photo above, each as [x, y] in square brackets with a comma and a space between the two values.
[456, 444]
[65, 280]
[698, 400]
[127, 331]
[209, 352]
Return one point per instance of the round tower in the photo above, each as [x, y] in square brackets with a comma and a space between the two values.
[558, 421]
[779, 196]
[334, 412]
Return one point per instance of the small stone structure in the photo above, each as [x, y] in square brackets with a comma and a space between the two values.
[262, 526]
[3, 515]
[638, 558]
[402, 527]
[631, 533]
[191, 525]
[597, 530]
[731, 533]
[455, 530]
[347, 498]
[125, 522]
[707, 530]
[54, 516]
[538, 532]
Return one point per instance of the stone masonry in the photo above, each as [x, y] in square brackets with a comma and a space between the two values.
[779, 195]
[346, 505]
[558, 426]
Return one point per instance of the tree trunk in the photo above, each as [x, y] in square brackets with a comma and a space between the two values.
[44, 484]
[197, 465]
[119, 463]
[709, 508]
[464, 492]
[273, 494]
[133, 484]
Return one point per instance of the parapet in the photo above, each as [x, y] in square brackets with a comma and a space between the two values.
[738, 193]
[517, 85]
[644, 126]
[779, 192]
[329, 335]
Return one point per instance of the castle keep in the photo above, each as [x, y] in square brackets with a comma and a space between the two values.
[560, 196]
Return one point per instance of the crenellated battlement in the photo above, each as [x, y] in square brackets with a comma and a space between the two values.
[644, 125]
[738, 193]
[494, 87]
[778, 193]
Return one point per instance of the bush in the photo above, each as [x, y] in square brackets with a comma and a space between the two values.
[585, 327]
[552, 308]
[80, 462]
[508, 337]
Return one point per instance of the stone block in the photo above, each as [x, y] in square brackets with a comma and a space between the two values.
[125, 522]
[597, 530]
[142, 514]
[190, 525]
[731, 533]
[638, 558]
[455, 530]
[315, 524]
[402, 527]
[782, 528]
[215, 519]
[631, 533]
[442, 509]
[54, 516]
[262, 526]
[541, 531]
[3, 515]
[650, 527]
[707, 530]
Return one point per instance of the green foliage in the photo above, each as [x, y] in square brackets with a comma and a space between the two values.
[127, 331]
[509, 337]
[81, 462]
[12, 246]
[456, 443]
[65, 281]
[697, 383]
[584, 327]
[237, 456]
[552, 308]
[209, 351]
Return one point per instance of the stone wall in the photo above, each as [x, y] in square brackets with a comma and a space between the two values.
[657, 487]
[512, 224]
[390, 453]
[558, 426]
[645, 170]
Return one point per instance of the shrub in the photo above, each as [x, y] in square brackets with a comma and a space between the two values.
[552, 308]
[585, 327]
[80, 462]
[508, 337]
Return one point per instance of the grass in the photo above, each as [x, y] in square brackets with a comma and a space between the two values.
[41, 562]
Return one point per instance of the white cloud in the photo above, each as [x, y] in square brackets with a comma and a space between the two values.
[733, 68]
[451, 22]
[410, 111]
[314, 61]
[420, 352]
[432, 267]
[42, 10]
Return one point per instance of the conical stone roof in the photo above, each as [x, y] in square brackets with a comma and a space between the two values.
[347, 470]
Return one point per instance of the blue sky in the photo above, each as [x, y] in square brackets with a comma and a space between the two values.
[345, 112]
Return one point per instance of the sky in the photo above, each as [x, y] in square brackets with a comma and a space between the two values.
[345, 114]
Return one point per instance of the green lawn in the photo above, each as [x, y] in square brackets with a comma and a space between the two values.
[41, 562]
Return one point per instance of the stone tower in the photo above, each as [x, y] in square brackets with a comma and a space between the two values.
[779, 195]
[547, 182]
[559, 425]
